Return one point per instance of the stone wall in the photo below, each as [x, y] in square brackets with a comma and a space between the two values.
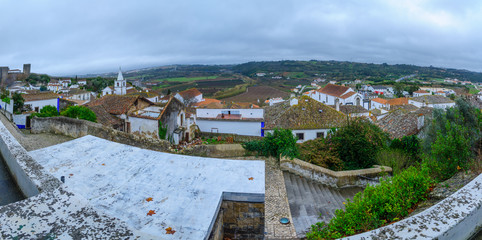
[239, 220]
[78, 128]
[216, 150]
[236, 138]
[359, 178]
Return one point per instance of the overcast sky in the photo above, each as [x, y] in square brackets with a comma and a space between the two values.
[78, 37]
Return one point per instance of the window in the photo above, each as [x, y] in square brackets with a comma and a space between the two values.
[320, 134]
[300, 136]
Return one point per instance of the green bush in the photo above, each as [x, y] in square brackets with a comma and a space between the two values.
[396, 159]
[46, 111]
[451, 139]
[319, 152]
[358, 143]
[279, 143]
[377, 205]
[79, 112]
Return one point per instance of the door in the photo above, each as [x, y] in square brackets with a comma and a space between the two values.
[128, 127]
[27, 122]
[187, 137]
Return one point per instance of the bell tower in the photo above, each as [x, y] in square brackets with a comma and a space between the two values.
[120, 84]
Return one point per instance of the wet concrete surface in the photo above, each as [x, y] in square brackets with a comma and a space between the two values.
[9, 191]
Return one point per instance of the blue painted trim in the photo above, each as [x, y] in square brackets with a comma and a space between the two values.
[262, 130]
[58, 105]
[21, 126]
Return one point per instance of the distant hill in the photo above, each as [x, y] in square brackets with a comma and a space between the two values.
[335, 70]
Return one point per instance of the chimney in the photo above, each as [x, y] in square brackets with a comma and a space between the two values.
[337, 105]
[420, 121]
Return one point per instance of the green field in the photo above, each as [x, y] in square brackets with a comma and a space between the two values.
[473, 91]
[184, 79]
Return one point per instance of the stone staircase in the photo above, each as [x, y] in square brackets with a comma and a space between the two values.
[307, 199]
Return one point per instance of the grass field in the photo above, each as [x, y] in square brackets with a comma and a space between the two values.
[185, 79]
[473, 91]
[258, 92]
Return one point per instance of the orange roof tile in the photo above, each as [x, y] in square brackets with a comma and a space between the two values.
[398, 101]
[333, 90]
[206, 102]
[39, 96]
[347, 95]
[380, 100]
[190, 93]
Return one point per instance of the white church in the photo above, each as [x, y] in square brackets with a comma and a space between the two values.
[120, 86]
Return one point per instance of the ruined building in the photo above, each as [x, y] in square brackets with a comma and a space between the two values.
[8, 76]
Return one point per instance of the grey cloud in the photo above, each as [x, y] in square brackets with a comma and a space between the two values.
[75, 37]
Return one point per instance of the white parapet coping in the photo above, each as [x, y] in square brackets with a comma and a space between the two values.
[186, 191]
[456, 217]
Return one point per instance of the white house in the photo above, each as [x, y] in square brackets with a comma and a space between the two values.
[331, 94]
[234, 118]
[189, 96]
[82, 82]
[421, 93]
[54, 86]
[273, 101]
[78, 94]
[35, 101]
[65, 82]
[308, 119]
[432, 101]
[378, 103]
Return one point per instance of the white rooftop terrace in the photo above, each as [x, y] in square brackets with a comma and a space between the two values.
[186, 191]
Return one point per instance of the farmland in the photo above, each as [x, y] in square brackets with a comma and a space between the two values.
[258, 92]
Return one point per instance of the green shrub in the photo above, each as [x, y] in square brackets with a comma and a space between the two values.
[319, 152]
[46, 111]
[279, 143]
[358, 143]
[396, 159]
[377, 205]
[79, 112]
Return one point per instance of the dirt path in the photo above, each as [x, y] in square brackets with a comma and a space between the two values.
[33, 141]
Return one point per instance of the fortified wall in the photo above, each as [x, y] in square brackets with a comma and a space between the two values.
[8, 76]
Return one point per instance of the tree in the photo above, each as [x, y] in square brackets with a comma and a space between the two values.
[281, 142]
[43, 88]
[358, 143]
[17, 102]
[79, 112]
[398, 90]
[46, 111]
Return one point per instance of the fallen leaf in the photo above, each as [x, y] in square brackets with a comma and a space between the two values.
[71, 174]
[103, 164]
[169, 230]
[251, 178]
[149, 199]
[151, 212]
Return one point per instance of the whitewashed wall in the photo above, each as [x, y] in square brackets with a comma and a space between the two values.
[246, 128]
[20, 120]
[310, 134]
[376, 105]
[42, 103]
[441, 105]
[145, 127]
[245, 113]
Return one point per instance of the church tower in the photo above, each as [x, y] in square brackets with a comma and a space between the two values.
[120, 84]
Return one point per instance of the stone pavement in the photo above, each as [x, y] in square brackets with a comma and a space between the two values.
[276, 204]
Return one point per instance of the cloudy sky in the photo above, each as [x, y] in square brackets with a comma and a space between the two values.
[77, 37]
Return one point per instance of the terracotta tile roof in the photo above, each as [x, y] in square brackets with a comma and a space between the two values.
[398, 101]
[307, 114]
[420, 91]
[104, 118]
[380, 100]
[408, 107]
[39, 96]
[334, 90]
[115, 104]
[228, 105]
[432, 99]
[229, 116]
[144, 94]
[401, 123]
[347, 95]
[347, 109]
[190, 93]
[206, 102]
[130, 91]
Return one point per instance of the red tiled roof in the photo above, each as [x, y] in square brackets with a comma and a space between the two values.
[380, 100]
[228, 116]
[206, 102]
[115, 104]
[420, 91]
[190, 93]
[333, 90]
[347, 95]
[398, 101]
[39, 96]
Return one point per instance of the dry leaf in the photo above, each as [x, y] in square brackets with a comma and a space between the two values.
[103, 164]
[151, 212]
[251, 178]
[71, 174]
[149, 199]
[169, 230]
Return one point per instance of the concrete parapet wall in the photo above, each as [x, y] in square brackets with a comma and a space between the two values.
[332, 178]
[28, 174]
[216, 150]
[456, 217]
[78, 128]
[236, 138]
